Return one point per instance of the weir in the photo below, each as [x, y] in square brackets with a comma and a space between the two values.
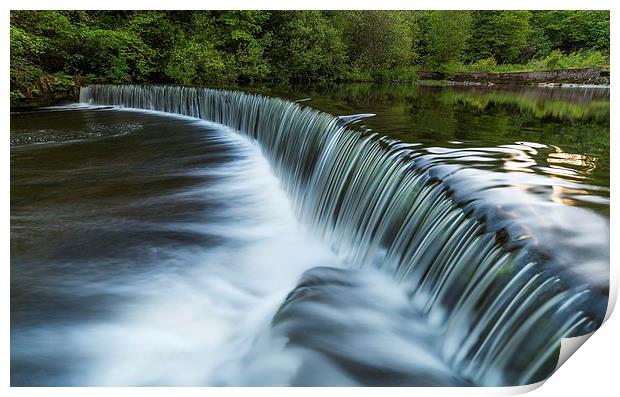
[499, 289]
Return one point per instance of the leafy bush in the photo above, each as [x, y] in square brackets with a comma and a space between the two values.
[485, 65]
[308, 47]
[196, 63]
[107, 49]
[201, 47]
[554, 60]
[576, 60]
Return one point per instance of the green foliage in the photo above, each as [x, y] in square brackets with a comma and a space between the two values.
[240, 39]
[306, 46]
[554, 61]
[118, 71]
[195, 63]
[485, 65]
[50, 48]
[49, 34]
[597, 110]
[108, 49]
[558, 60]
[537, 45]
[157, 31]
[25, 46]
[154, 28]
[500, 34]
[571, 31]
[379, 40]
[447, 35]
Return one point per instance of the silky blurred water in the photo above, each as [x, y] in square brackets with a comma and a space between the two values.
[558, 132]
[149, 249]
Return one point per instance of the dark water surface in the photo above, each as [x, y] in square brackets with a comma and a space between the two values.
[148, 249]
[122, 241]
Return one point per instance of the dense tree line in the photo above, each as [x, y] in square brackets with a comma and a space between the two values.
[199, 47]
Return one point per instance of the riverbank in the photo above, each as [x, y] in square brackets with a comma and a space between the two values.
[50, 89]
[585, 76]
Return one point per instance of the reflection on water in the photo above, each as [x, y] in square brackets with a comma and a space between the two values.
[559, 132]
[588, 163]
[542, 103]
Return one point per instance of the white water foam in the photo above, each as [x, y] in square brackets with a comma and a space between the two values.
[194, 326]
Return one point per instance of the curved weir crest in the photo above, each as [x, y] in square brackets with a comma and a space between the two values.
[485, 281]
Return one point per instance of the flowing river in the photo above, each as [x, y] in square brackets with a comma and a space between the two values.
[358, 235]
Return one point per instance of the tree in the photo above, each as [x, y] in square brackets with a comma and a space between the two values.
[306, 46]
[157, 31]
[379, 40]
[447, 34]
[199, 47]
[240, 38]
[193, 62]
[571, 31]
[499, 34]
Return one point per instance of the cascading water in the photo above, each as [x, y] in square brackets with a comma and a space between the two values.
[494, 279]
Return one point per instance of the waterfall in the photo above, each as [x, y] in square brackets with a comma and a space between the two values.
[489, 283]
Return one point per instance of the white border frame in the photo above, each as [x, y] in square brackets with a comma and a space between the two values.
[593, 371]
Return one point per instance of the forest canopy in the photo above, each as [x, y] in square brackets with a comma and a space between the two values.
[200, 47]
